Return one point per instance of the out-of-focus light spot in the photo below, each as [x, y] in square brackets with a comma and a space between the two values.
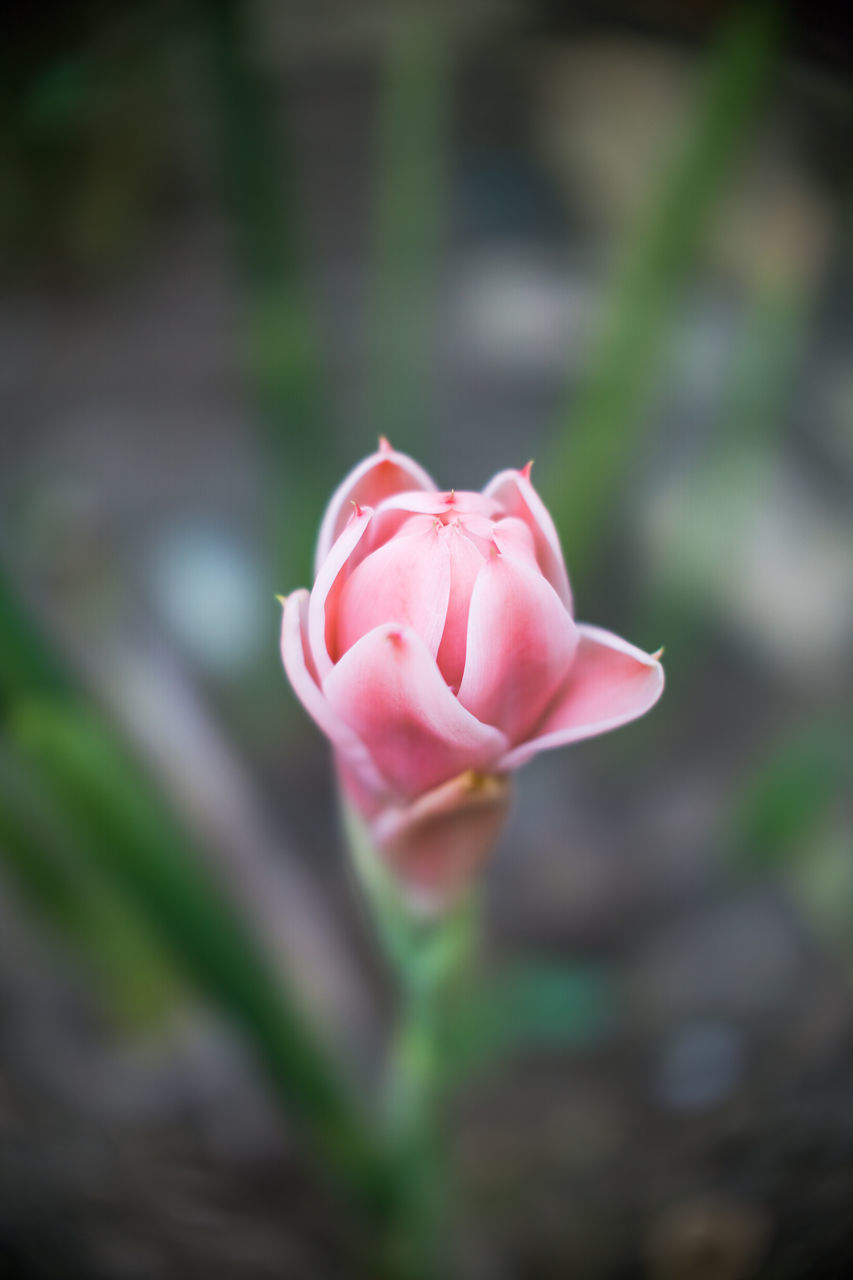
[699, 1065]
[758, 550]
[208, 588]
[517, 312]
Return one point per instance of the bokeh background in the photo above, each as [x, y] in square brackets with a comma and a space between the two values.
[238, 240]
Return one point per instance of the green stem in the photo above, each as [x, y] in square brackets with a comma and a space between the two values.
[428, 955]
[415, 1246]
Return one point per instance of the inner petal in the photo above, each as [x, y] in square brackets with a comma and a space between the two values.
[406, 582]
[466, 561]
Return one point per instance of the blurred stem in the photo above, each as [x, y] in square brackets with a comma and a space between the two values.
[603, 421]
[281, 339]
[416, 1245]
[411, 147]
[428, 955]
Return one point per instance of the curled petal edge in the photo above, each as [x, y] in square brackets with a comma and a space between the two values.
[514, 490]
[340, 556]
[294, 635]
[609, 684]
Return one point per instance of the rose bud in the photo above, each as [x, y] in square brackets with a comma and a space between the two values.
[438, 651]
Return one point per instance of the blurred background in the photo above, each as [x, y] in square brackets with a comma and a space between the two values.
[240, 239]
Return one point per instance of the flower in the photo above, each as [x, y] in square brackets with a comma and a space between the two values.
[438, 651]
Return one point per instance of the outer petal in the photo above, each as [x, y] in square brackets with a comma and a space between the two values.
[437, 843]
[330, 581]
[521, 642]
[383, 473]
[518, 498]
[303, 677]
[610, 683]
[389, 690]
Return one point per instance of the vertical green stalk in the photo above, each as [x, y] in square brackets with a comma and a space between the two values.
[428, 954]
[602, 423]
[282, 349]
[411, 147]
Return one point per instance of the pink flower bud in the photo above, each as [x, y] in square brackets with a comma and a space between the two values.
[438, 651]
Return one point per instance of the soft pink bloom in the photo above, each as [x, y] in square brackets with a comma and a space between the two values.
[438, 651]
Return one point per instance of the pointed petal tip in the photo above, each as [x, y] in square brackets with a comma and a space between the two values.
[658, 654]
[282, 600]
[526, 469]
[385, 445]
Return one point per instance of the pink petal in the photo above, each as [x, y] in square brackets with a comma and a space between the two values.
[513, 537]
[302, 675]
[400, 511]
[331, 578]
[406, 582]
[521, 642]
[518, 498]
[364, 789]
[389, 690]
[377, 477]
[466, 561]
[610, 683]
[436, 844]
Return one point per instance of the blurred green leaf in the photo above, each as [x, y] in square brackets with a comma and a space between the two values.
[601, 426]
[134, 850]
[27, 663]
[132, 840]
[527, 1007]
[411, 160]
[62, 891]
[58, 98]
[280, 331]
[784, 801]
[822, 885]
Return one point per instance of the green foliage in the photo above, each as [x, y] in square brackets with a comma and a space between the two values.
[95, 847]
[791, 819]
[411, 156]
[528, 1007]
[27, 663]
[280, 334]
[784, 802]
[603, 422]
[120, 954]
[130, 838]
